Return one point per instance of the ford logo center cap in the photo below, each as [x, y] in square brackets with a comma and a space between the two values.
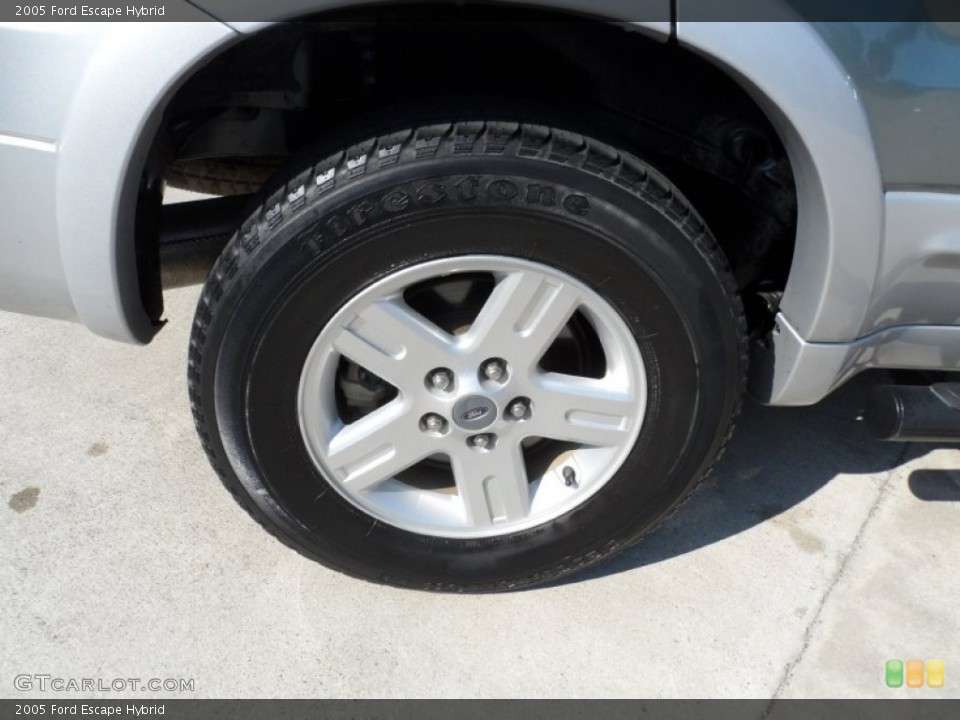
[474, 412]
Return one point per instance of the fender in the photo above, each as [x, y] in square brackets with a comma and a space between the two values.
[113, 116]
[824, 127]
[825, 130]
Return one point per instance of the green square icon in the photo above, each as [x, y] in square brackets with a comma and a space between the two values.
[894, 673]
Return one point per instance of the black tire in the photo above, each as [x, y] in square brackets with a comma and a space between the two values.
[313, 244]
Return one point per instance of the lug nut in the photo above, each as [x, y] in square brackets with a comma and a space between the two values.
[441, 379]
[493, 370]
[518, 409]
[432, 423]
[480, 442]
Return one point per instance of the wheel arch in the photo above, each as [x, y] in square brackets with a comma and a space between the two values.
[107, 134]
[826, 132]
[834, 162]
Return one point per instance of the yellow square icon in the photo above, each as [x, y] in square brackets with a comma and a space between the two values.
[914, 673]
[935, 673]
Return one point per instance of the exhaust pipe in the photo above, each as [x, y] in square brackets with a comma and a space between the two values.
[192, 236]
[914, 413]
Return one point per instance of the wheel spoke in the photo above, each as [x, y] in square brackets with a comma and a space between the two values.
[582, 410]
[493, 485]
[525, 313]
[392, 341]
[377, 446]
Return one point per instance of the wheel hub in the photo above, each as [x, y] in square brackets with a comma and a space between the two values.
[475, 412]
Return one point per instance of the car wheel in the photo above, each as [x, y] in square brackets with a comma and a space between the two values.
[468, 356]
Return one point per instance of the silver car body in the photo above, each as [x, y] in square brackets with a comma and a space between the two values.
[876, 270]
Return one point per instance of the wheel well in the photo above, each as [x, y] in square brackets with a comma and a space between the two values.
[295, 84]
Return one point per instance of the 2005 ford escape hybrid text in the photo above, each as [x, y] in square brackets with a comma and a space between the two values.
[485, 284]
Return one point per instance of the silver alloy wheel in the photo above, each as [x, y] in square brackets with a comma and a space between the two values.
[459, 397]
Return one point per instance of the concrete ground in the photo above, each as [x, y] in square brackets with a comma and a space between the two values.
[815, 555]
